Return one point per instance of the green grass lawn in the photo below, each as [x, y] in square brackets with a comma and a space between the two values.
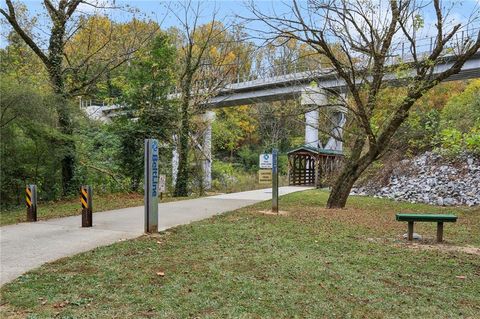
[310, 263]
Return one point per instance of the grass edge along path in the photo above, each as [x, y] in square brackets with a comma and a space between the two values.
[310, 263]
[71, 207]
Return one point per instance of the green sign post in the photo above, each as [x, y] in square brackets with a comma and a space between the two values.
[275, 181]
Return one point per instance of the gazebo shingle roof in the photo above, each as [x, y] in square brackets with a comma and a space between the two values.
[316, 150]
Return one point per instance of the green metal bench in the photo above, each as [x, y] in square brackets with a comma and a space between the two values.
[435, 218]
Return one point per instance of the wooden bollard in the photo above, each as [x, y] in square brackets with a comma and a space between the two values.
[87, 205]
[31, 201]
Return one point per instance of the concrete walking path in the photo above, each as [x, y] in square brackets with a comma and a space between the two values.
[26, 246]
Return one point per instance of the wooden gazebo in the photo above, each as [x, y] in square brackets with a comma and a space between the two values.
[311, 166]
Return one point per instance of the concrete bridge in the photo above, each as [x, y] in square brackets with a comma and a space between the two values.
[298, 86]
[295, 85]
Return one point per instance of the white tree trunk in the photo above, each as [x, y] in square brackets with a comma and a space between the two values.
[208, 117]
[175, 159]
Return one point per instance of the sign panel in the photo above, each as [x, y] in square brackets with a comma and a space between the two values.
[265, 176]
[162, 184]
[151, 185]
[265, 161]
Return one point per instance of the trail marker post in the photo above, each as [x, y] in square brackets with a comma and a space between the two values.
[151, 185]
[162, 185]
[87, 205]
[275, 181]
[31, 201]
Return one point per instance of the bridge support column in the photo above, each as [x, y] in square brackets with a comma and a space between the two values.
[208, 117]
[311, 128]
[311, 100]
[336, 134]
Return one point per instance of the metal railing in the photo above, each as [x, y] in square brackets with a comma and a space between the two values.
[401, 52]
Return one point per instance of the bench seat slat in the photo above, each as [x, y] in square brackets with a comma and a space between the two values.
[426, 218]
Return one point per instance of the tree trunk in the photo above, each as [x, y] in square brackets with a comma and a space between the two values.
[181, 185]
[55, 49]
[341, 188]
[68, 160]
[66, 127]
[350, 174]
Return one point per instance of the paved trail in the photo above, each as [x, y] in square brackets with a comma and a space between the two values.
[26, 246]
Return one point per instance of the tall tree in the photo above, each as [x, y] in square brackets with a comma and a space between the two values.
[149, 80]
[377, 39]
[28, 133]
[65, 20]
[207, 63]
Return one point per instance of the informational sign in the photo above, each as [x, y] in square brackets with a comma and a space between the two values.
[151, 185]
[162, 179]
[265, 176]
[265, 161]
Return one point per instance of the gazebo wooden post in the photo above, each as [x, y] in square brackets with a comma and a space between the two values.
[317, 168]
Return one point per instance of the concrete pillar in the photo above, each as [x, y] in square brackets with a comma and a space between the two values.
[311, 128]
[312, 98]
[335, 141]
[208, 117]
[336, 134]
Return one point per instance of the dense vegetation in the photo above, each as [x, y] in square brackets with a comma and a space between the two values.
[109, 156]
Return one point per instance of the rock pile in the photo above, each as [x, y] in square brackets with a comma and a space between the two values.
[431, 179]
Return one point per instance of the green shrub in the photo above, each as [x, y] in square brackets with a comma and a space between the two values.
[472, 140]
[231, 177]
[454, 142]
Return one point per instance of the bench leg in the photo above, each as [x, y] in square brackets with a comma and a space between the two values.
[410, 231]
[439, 232]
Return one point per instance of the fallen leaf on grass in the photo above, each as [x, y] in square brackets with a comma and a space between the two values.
[61, 304]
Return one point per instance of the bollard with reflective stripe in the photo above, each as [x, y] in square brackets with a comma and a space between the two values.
[87, 205]
[31, 201]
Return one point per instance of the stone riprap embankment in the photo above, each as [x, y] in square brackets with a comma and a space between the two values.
[431, 179]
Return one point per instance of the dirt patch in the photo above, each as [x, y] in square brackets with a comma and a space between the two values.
[446, 248]
[269, 212]
[427, 244]
[7, 311]
[380, 223]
